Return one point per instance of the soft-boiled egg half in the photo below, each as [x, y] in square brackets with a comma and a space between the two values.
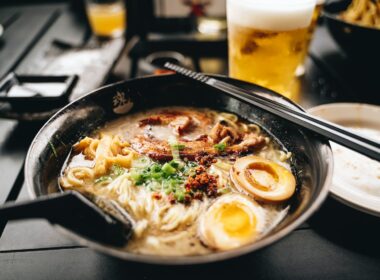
[231, 221]
[265, 180]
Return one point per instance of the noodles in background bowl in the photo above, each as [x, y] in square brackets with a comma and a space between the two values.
[363, 12]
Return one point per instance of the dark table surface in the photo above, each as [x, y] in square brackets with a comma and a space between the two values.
[336, 243]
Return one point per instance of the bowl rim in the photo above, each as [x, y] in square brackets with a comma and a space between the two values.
[185, 260]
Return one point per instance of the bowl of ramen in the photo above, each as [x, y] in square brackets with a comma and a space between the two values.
[204, 177]
[355, 26]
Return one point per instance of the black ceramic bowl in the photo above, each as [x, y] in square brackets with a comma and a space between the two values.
[51, 146]
[358, 42]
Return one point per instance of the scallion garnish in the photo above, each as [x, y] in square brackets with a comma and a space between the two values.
[178, 146]
[168, 177]
[168, 169]
[117, 170]
[102, 179]
[220, 147]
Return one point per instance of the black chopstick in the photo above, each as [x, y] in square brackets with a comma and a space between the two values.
[225, 86]
[337, 128]
[327, 129]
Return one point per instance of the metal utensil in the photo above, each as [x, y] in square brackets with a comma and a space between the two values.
[91, 216]
[331, 131]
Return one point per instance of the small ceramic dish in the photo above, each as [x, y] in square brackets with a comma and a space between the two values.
[356, 179]
[36, 93]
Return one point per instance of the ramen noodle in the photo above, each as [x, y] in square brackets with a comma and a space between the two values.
[363, 12]
[194, 181]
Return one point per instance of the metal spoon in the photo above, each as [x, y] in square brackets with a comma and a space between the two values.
[94, 217]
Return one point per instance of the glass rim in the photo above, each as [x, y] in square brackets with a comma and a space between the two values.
[103, 2]
[281, 3]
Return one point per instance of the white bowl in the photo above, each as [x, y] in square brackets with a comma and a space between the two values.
[356, 179]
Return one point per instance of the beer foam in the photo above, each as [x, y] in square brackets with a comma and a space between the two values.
[274, 15]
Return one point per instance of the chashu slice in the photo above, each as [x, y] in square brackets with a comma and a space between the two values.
[161, 150]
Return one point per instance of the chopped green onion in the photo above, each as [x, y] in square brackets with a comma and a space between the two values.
[168, 169]
[174, 164]
[224, 190]
[117, 170]
[220, 147]
[155, 167]
[175, 147]
[156, 175]
[178, 146]
[192, 164]
[137, 178]
[168, 177]
[102, 179]
[179, 196]
[53, 149]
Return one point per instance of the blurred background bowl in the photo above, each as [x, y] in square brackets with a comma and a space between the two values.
[357, 41]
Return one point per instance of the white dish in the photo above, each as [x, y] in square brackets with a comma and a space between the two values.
[356, 179]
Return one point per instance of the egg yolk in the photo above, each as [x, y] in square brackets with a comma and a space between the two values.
[262, 176]
[236, 221]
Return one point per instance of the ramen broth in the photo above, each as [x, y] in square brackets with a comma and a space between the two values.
[194, 180]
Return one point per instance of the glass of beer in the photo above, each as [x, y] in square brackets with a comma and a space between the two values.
[107, 17]
[317, 11]
[267, 41]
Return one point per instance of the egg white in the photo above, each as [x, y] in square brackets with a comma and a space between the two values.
[211, 232]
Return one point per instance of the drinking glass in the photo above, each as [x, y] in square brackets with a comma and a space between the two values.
[267, 40]
[107, 17]
[317, 11]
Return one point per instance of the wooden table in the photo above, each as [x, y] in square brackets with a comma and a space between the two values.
[336, 243]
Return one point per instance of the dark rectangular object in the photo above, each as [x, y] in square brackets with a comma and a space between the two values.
[36, 99]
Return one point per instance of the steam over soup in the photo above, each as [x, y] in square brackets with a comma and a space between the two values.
[194, 180]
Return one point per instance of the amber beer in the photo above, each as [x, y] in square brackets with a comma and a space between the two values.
[317, 11]
[267, 40]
